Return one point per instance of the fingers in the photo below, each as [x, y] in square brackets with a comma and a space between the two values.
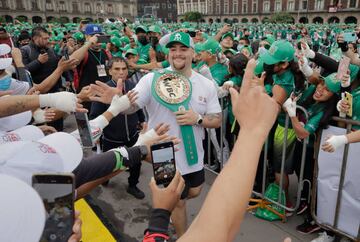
[80, 109]
[152, 185]
[162, 128]
[234, 95]
[248, 76]
[175, 181]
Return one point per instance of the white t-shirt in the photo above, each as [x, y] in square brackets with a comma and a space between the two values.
[204, 101]
[19, 87]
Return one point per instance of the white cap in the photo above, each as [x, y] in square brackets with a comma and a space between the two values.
[22, 211]
[15, 121]
[26, 133]
[55, 153]
[5, 62]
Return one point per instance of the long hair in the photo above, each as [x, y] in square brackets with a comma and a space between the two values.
[299, 77]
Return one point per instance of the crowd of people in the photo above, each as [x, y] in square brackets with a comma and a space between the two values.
[239, 81]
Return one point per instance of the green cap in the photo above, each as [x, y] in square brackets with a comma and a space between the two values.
[280, 51]
[141, 28]
[332, 83]
[131, 51]
[165, 50]
[232, 51]
[182, 38]
[78, 36]
[211, 46]
[269, 38]
[125, 39]
[155, 29]
[227, 35]
[198, 48]
[116, 41]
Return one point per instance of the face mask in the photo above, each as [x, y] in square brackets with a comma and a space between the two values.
[154, 40]
[262, 50]
[5, 83]
[269, 69]
[143, 40]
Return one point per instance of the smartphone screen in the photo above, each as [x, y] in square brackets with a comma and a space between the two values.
[103, 39]
[57, 193]
[343, 67]
[163, 159]
[84, 129]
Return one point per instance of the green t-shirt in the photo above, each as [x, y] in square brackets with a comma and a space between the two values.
[143, 51]
[219, 72]
[356, 107]
[286, 81]
[315, 112]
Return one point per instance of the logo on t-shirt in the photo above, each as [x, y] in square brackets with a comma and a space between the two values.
[11, 137]
[46, 149]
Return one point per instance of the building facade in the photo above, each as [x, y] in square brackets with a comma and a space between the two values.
[38, 11]
[166, 10]
[302, 11]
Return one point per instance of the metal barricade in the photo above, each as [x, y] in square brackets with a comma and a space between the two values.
[349, 123]
[264, 202]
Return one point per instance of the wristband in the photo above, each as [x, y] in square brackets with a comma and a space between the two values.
[99, 122]
[39, 116]
[143, 138]
[119, 104]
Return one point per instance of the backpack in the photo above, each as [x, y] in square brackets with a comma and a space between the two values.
[78, 72]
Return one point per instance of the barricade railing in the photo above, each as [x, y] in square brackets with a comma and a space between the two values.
[265, 202]
[334, 228]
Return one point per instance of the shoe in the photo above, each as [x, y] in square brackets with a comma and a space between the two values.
[289, 205]
[323, 238]
[136, 192]
[302, 207]
[308, 227]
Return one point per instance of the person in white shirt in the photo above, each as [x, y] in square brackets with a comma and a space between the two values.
[204, 112]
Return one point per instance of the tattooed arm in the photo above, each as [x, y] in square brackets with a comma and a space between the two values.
[189, 117]
[11, 105]
[212, 120]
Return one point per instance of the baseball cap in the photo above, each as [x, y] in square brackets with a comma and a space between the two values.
[91, 29]
[131, 51]
[116, 41]
[211, 46]
[333, 84]
[22, 211]
[227, 35]
[232, 51]
[181, 38]
[259, 68]
[26, 133]
[280, 51]
[58, 152]
[155, 29]
[5, 61]
[15, 121]
[141, 28]
[269, 38]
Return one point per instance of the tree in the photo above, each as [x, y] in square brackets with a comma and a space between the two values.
[282, 18]
[193, 16]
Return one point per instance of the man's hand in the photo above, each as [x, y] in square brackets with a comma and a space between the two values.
[66, 65]
[17, 57]
[334, 142]
[167, 198]
[84, 94]
[76, 236]
[186, 117]
[101, 92]
[253, 108]
[43, 58]
[225, 29]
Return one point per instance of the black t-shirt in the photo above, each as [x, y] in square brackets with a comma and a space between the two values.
[89, 70]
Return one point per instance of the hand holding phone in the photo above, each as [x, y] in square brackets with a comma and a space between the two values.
[343, 67]
[103, 39]
[57, 193]
[163, 160]
[349, 99]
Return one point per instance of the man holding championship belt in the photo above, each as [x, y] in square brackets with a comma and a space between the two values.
[188, 102]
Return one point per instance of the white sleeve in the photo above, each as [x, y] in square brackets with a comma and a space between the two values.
[213, 105]
[164, 40]
[19, 87]
[144, 90]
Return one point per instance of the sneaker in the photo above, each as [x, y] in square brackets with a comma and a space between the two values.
[308, 227]
[136, 192]
[288, 205]
[302, 207]
[323, 238]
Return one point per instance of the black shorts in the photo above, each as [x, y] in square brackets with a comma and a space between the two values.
[194, 179]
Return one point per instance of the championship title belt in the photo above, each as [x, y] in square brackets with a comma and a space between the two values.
[173, 91]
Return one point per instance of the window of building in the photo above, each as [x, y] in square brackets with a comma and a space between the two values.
[244, 6]
[254, 6]
[62, 6]
[304, 5]
[19, 4]
[98, 7]
[181, 10]
[217, 6]
[291, 6]
[169, 5]
[226, 6]
[195, 7]
[202, 7]
[188, 7]
[319, 4]
[163, 5]
[278, 6]
[87, 7]
[34, 5]
[3, 4]
[266, 6]
[110, 8]
[157, 5]
[75, 7]
[352, 3]
[235, 6]
[210, 7]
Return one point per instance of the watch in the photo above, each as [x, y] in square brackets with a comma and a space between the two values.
[143, 151]
[199, 120]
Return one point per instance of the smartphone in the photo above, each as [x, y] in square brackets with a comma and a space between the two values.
[66, 54]
[349, 37]
[163, 160]
[343, 67]
[57, 193]
[103, 39]
[82, 122]
[349, 99]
